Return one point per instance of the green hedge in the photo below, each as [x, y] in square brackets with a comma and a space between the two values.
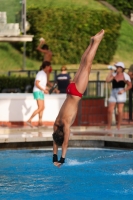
[16, 82]
[126, 6]
[68, 32]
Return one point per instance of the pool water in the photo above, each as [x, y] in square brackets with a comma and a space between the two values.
[88, 174]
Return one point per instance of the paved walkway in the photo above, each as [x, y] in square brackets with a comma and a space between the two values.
[44, 134]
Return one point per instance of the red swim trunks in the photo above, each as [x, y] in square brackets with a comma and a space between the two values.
[71, 89]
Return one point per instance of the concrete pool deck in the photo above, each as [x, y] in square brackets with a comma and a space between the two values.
[27, 137]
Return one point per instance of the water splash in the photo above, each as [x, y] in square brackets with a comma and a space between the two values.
[129, 172]
[75, 162]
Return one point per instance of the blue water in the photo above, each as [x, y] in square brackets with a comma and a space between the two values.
[88, 174]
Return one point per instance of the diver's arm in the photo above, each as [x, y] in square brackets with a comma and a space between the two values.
[66, 130]
[55, 150]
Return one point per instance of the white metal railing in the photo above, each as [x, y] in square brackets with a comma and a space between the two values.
[8, 29]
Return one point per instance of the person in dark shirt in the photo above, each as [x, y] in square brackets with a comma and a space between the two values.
[63, 80]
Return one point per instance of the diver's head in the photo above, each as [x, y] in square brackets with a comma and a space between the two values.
[58, 136]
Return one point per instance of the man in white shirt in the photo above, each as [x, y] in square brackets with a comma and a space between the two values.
[39, 90]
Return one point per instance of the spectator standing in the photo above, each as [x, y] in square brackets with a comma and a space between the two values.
[130, 73]
[118, 94]
[44, 48]
[63, 80]
[39, 90]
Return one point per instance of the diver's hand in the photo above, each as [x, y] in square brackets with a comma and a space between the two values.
[57, 164]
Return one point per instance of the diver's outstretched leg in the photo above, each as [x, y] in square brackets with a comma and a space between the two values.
[81, 77]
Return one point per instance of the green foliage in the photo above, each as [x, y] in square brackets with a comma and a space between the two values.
[13, 82]
[125, 44]
[126, 6]
[68, 31]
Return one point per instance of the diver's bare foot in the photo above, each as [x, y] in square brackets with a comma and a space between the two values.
[100, 32]
[98, 37]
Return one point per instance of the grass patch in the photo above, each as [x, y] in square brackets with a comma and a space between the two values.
[91, 4]
[125, 45]
[11, 59]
